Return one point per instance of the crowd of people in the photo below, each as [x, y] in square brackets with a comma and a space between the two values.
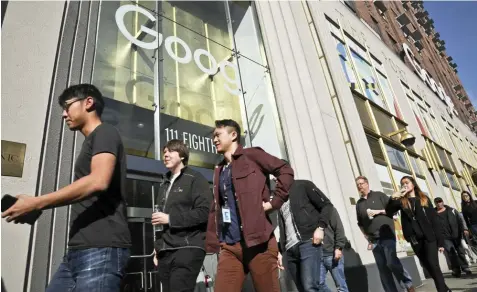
[233, 220]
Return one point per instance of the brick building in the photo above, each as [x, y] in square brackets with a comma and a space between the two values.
[398, 22]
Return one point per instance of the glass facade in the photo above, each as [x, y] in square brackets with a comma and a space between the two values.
[169, 69]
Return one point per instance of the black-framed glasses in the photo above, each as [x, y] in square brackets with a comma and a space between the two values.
[67, 105]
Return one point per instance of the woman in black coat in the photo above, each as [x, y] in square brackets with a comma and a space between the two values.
[469, 211]
[420, 227]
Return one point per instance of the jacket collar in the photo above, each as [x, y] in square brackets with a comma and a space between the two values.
[238, 152]
[169, 174]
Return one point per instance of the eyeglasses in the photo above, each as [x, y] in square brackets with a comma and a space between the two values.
[67, 105]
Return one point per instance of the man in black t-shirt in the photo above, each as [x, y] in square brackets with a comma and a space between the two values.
[378, 228]
[99, 238]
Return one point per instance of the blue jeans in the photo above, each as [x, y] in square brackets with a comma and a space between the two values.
[90, 270]
[384, 251]
[304, 262]
[328, 263]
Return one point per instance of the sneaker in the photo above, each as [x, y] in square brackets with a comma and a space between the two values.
[468, 272]
[457, 275]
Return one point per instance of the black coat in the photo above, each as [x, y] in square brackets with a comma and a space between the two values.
[188, 205]
[425, 216]
[469, 211]
[310, 209]
[455, 222]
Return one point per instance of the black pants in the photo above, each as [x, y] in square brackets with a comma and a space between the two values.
[456, 253]
[178, 269]
[428, 255]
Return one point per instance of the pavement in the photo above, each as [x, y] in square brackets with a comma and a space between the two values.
[462, 284]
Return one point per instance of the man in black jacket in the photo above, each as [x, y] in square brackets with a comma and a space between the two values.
[185, 198]
[378, 229]
[452, 231]
[302, 221]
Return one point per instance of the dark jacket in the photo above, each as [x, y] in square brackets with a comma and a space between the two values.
[382, 225]
[334, 234]
[188, 206]
[455, 222]
[469, 211]
[251, 168]
[425, 216]
[310, 209]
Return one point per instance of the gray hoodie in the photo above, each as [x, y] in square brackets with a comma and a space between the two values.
[334, 234]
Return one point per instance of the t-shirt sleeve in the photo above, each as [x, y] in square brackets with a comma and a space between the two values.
[106, 140]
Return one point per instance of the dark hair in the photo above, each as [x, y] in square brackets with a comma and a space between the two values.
[417, 191]
[363, 178]
[437, 199]
[462, 202]
[229, 123]
[179, 147]
[82, 91]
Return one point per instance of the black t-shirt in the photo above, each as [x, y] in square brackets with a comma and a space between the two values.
[100, 220]
[444, 221]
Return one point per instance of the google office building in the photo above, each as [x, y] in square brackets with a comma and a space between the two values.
[307, 81]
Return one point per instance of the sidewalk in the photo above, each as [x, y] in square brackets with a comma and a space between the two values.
[463, 284]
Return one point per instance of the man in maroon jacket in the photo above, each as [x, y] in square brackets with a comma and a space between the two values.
[238, 224]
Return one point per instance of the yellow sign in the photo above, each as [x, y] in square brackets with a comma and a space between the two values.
[13, 158]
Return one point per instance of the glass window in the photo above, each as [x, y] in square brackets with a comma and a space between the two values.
[453, 181]
[363, 112]
[443, 157]
[423, 186]
[346, 65]
[415, 165]
[172, 74]
[443, 178]
[396, 157]
[385, 179]
[367, 79]
[384, 122]
[388, 94]
[259, 99]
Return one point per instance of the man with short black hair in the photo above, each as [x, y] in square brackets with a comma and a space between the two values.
[99, 237]
[452, 230]
[239, 226]
[378, 229]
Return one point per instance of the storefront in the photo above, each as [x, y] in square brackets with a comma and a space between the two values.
[307, 81]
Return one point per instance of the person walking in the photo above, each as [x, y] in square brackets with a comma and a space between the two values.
[99, 237]
[421, 227]
[333, 259]
[378, 228]
[453, 229]
[239, 226]
[302, 222]
[185, 197]
[469, 211]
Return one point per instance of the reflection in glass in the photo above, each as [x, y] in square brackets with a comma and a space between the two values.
[190, 80]
[396, 157]
[125, 75]
[261, 112]
[347, 65]
[368, 80]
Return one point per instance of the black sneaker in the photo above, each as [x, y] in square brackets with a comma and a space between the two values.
[468, 272]
[457, 275]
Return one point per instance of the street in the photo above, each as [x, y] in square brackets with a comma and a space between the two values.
[464, 283]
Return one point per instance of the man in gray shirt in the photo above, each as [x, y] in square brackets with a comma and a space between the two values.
[378, 228]
[332, 259]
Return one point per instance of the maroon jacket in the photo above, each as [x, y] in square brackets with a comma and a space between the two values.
[250, 169]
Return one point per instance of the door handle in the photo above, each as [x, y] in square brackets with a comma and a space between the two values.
[150, 280]
[142, 256]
